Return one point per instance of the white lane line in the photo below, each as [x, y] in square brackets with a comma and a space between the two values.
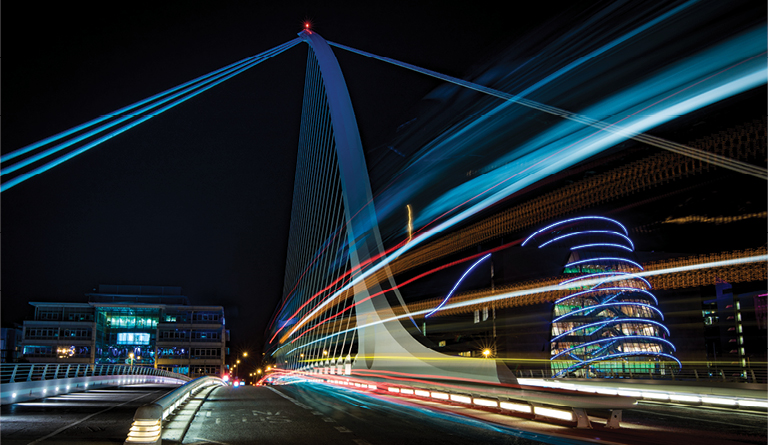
[328, 419]
[361, 442]
[343, 429]
[206, 441]
[294, 401]
[86, 418]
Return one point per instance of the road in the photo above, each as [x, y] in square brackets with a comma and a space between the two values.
[318, 414]
[95, 417]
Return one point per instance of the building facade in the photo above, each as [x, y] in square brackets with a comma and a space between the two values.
[10, 344]
[140, 325]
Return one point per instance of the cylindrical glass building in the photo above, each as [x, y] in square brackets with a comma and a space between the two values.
[609, 324]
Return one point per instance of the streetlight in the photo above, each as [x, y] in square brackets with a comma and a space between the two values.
[486, 352]
[245, 354]
[130, 355]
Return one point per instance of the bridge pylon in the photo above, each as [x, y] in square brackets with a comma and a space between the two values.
[320, 319]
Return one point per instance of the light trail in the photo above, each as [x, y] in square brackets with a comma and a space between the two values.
[192, 89]
[457, 285]
[588, 232]
[600, 289]
[520, 293]
[586, 279]
[410, 224]
[570, 220]
[733, 49]
[309, 318]
[603, 340]
[632, 132]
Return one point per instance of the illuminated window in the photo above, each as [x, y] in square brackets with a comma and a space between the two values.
[132, 338]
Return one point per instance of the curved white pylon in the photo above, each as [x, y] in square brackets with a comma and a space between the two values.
[381, 346]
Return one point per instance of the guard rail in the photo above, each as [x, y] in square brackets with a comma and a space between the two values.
[27, 381]
[148, 421]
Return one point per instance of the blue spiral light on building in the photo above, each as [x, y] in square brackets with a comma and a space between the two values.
[609, 325]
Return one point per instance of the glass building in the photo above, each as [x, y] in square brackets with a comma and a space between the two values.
[141, 325]
[607, 324]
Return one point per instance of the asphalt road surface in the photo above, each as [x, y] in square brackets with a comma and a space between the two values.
[318, 414]
[315, 414]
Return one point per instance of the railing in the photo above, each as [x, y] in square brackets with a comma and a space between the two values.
[148, 420]
[713, 375]
[28, 381]
[30, 372]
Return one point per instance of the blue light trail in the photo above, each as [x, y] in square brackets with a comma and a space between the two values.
[611, 356]
[628, 289]
[457, 285]
[608, 305]
[570, 220]
[607, 322]
[521, 293]
[589, 232]
[603, 340]
[182, 92]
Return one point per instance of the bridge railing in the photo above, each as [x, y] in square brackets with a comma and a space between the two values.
[697, 374]
[30, 372]
[148, 420]
[28, 381]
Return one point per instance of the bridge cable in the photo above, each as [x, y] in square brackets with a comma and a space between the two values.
[675, 147]
[180, 93]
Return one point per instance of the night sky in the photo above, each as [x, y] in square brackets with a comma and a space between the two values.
[200, 196]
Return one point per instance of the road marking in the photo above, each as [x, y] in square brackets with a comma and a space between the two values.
[208, 414]
[317, 413]
[343, 429]
[268, 413]
[328, 419]
[277, 419]
[361, 442]
[244, 419]
[218, 420]
[86, 418]
[294, 401]
[206, 441]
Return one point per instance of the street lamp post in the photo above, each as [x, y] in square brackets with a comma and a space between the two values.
[237, 371]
